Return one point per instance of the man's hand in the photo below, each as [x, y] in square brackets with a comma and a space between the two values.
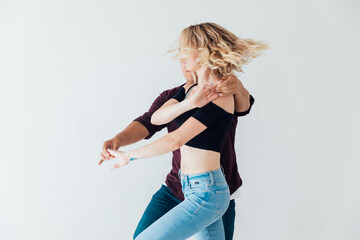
[202, 95]
[229, 85]
[112, 144]
[232, 85]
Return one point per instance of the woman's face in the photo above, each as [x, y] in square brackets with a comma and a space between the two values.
[187, 74]
[190, 62]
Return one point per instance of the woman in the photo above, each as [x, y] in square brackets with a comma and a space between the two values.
[212, 52]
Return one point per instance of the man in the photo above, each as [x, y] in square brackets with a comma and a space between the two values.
[170, 194]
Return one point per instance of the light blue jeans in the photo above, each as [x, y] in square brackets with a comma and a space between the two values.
[207, 197]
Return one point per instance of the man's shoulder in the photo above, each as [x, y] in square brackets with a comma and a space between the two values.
[170, 92]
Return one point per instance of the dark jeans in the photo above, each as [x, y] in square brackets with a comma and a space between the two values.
[163, 201]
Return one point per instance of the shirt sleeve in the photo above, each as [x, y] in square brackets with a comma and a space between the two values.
[240, 114]
[208, 113]
[145, 119]
[180, 94]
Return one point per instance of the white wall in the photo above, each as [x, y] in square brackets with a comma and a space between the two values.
[75, 73]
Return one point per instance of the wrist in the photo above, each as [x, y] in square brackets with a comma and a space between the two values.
[118, 138]
[188, 103]
[242, 92]
[130, 155]
[237, 92]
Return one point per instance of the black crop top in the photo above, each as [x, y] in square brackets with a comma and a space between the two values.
[215, 118]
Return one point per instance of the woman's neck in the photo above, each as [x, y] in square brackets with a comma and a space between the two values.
[205, 76]
[188, 84]
[191, 81]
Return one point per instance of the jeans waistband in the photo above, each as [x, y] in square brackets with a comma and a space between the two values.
[210, 174]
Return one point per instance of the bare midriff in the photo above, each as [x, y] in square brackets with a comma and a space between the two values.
[195, 160]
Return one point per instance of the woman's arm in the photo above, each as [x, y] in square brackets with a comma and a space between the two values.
[171, 141]
[193, 126]
[170, 110]
[202, 95]
[133, 133]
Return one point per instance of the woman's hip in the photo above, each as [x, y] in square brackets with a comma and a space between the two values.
[206, 192]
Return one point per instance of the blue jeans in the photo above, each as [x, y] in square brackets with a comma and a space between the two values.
[207, 198]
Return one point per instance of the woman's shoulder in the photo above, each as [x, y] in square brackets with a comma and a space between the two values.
[226, 103]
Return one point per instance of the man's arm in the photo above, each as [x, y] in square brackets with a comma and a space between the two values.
[133, 133]
[137, 130]
[243, 99]
[170, 142]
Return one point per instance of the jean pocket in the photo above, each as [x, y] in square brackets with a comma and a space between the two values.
[198, 186]
[222, 200]
[199, 189]
[198, 199]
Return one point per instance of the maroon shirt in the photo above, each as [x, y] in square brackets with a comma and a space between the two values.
[227, 156]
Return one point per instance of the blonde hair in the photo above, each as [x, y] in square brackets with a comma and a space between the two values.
[217, 48]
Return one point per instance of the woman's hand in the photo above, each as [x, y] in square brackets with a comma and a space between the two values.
[202, 94]
[122, 156]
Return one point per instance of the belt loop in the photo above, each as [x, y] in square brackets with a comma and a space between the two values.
[222, 169]
[211, 178]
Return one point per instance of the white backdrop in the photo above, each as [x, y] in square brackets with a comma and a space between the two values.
[75, 73]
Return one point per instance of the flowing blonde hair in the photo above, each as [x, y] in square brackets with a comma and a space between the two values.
[218, 49]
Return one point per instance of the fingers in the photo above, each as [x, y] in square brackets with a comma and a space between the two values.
[102, 160]
[116, 166]
[219, 85]
[229, 79]
[104, 151]
[229, 85]
[226, 88]
[222, 85]
[207, 88]
[225, 78]
[119, 165]
[114, 153]
[213, 96]
[103, 156]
